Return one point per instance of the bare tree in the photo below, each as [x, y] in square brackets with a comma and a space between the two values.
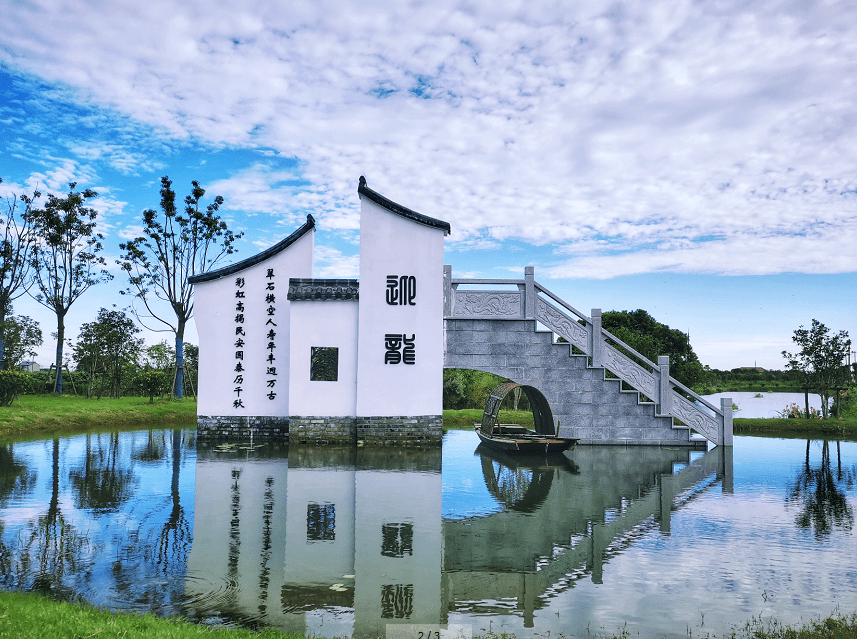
[173, 249]
[16, 248]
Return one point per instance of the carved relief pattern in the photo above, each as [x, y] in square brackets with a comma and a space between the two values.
[629, 371]
[562, 325]
[695, 417]
[487, 304]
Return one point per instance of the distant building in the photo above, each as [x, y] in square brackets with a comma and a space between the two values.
[30, 367]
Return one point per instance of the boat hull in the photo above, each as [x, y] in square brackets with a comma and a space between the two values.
[526, 444]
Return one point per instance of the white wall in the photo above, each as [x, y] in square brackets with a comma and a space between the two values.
[323, 323]
[215, 311]
[393, 245]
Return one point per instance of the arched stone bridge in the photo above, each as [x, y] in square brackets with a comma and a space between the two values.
[597, 393]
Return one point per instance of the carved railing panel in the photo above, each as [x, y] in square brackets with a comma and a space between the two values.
[698, 419]
[488, 304]
[629, 371]
[562, 324]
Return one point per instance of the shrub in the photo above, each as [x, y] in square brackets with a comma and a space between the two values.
[12, 383]
[152, 383]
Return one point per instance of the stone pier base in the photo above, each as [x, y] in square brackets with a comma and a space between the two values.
[235, 428]
[419, 430]
[400, 430]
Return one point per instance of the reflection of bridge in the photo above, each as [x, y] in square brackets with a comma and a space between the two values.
[598, 388]
[333, 542]
[583, 518]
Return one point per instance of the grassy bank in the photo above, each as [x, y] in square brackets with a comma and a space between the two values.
[26, 616]
[844, 428]
[48, 414]
[466, 417]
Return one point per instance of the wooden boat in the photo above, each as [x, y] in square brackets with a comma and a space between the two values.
[512, 438]
[518, 439]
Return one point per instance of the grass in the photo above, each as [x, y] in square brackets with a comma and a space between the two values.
[41, 415]
[465, 418]
[844, 428]
[26, 616]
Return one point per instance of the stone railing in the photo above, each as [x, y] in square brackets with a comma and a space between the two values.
[532, 301]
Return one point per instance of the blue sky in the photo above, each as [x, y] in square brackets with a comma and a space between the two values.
[694, 159]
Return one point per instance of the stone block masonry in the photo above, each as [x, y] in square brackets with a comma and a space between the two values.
[419, 430]
[588, 405]
[232, 428]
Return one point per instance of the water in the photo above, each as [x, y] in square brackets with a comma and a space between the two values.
[340, 542]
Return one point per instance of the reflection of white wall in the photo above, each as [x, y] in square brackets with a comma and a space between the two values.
[238, 527]
[397, 497]
[327, 323]
[215, 310]
[394, 245]
[320, 563]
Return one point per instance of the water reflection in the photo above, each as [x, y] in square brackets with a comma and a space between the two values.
[820, 493]
[340, 542]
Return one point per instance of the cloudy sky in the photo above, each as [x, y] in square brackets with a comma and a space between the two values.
[694, 159]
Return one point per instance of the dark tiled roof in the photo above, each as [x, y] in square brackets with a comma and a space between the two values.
[322, 290]
[398, 209]
[259, 257]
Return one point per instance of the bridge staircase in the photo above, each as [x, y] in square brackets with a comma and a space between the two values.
[601, 390]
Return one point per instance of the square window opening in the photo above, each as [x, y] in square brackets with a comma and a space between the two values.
[324, 364]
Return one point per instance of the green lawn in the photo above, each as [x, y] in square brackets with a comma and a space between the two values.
[42, 415]
[29, 616]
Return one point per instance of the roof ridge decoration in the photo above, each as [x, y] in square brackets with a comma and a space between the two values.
[398, 209]
[308, 226]
[322, 290]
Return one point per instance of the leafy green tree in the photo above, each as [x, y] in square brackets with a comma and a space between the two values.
[820, 361]
[152, 383]
[66, 257]
[174, 247]
[23, 336]
[160, 356]
[106, 346]
[16, 246]
[651, 338]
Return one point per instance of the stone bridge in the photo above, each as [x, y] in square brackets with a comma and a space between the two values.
[600, 390]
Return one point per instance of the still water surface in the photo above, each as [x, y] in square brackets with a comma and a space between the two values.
[341, 542]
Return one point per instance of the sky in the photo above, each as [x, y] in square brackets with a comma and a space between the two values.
[695, 159]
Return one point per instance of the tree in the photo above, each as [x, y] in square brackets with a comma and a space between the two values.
[23, 336]
[651, 338]
[16, 248]
[107, 346]
[172, 249]
[819, 363]
[65, 257]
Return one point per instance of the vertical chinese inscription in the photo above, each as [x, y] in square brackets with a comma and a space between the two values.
[238, 402]
[271, 334]
[398, 347]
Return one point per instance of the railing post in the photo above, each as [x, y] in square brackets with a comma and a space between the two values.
[529, 293]
[447, 290]
[664, 385]
[726, 407]
[595, 345]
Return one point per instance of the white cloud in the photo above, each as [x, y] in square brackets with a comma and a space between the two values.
[330, 262]
[653, 127]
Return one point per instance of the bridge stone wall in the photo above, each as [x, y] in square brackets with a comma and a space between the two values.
[588, 406]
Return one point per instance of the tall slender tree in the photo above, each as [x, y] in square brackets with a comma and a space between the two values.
[66, 257]
[174, 246]
[16, 246]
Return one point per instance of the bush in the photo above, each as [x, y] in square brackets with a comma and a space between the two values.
[12, 383]
[152, 383]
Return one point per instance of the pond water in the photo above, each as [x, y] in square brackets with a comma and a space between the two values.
[341, 542]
